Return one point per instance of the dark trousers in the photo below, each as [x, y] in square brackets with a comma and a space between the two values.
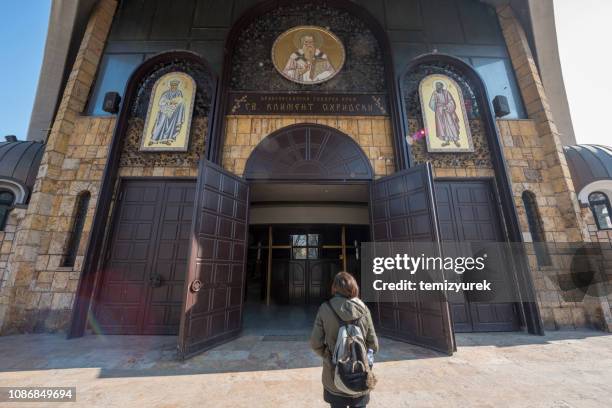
[336, 401]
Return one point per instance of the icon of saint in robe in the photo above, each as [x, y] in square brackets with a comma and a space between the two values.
[308, 63]
[447, 122]
[170, 117]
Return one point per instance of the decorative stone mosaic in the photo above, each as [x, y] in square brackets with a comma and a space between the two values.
[253, 69]
[132, 157]
[480, 158]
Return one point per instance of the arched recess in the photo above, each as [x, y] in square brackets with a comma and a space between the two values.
[351, 7]
[308, 152]
[475, 90]
[19, 190]
[134, 104]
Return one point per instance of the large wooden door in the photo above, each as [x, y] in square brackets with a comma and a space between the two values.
[468, 213]
[143, 278]
[167, 278]
[212, 309]
[403, 210]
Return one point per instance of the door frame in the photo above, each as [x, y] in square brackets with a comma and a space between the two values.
[532, 318]
[94, 251]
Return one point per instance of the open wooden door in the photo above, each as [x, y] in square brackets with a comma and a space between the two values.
[214, 286]
[403, 210]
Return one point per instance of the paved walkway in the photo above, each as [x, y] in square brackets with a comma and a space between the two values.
[562, 369]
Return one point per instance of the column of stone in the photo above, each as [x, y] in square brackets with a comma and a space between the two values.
[560, 209]
[38, 231]
[570, 227]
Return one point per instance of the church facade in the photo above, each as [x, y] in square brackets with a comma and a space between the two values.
[257, 144]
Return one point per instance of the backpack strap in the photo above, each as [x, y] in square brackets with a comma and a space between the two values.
[338, 318]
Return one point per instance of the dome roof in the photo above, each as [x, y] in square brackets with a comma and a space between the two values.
[19, 162]
[588, 163]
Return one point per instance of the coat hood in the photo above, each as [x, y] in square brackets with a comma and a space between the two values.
[348, 309]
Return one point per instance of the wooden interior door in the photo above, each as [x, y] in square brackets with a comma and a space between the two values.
[468, 213]
[403, 210]
[214, 288]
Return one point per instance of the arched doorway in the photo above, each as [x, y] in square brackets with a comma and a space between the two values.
[308, 215]
[123, 290]
[308, 152]
[304, 162]
[493, 181]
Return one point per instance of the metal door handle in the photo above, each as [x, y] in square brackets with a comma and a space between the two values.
[196, 285]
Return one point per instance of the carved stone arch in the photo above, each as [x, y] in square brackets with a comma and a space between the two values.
[308, 152]
[135, 101]
[468, 77]
[348, 6]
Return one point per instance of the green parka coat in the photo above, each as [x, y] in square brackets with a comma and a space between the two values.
[325, 332]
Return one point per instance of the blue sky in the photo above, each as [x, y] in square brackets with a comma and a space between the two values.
[583, 29]
[22, 41]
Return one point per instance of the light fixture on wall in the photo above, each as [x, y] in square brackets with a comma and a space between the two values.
[501, 106]
[111, 102]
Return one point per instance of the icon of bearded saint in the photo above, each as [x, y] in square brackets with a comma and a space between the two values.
[308, 63]
[170, 117]
[447, 121]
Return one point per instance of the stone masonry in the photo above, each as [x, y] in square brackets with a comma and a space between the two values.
[7, 241]
[537, 164]
[372, 133]
[40, 292]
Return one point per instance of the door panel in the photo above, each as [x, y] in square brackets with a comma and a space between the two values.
[402, 210]
[468, 213]
[163, 314]
[303, 282]
[150, 238]
[212, 308]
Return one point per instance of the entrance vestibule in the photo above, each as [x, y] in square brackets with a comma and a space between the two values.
[300, 236]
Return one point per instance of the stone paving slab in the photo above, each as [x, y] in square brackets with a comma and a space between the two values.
[561, 370]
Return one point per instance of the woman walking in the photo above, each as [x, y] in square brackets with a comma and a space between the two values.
[345, 305]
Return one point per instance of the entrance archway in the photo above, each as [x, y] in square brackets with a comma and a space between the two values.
[308, 152]
[308, 213]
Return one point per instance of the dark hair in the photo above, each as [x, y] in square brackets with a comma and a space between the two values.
[345, 285]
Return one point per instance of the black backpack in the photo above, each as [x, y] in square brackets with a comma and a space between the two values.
[352, 372]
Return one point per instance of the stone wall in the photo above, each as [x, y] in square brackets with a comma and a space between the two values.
[372, 133]
[40, 292]
[603, 238]
[48, 299]
[7, 240]
[537, 163]
[560, 307]
[538, 109]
